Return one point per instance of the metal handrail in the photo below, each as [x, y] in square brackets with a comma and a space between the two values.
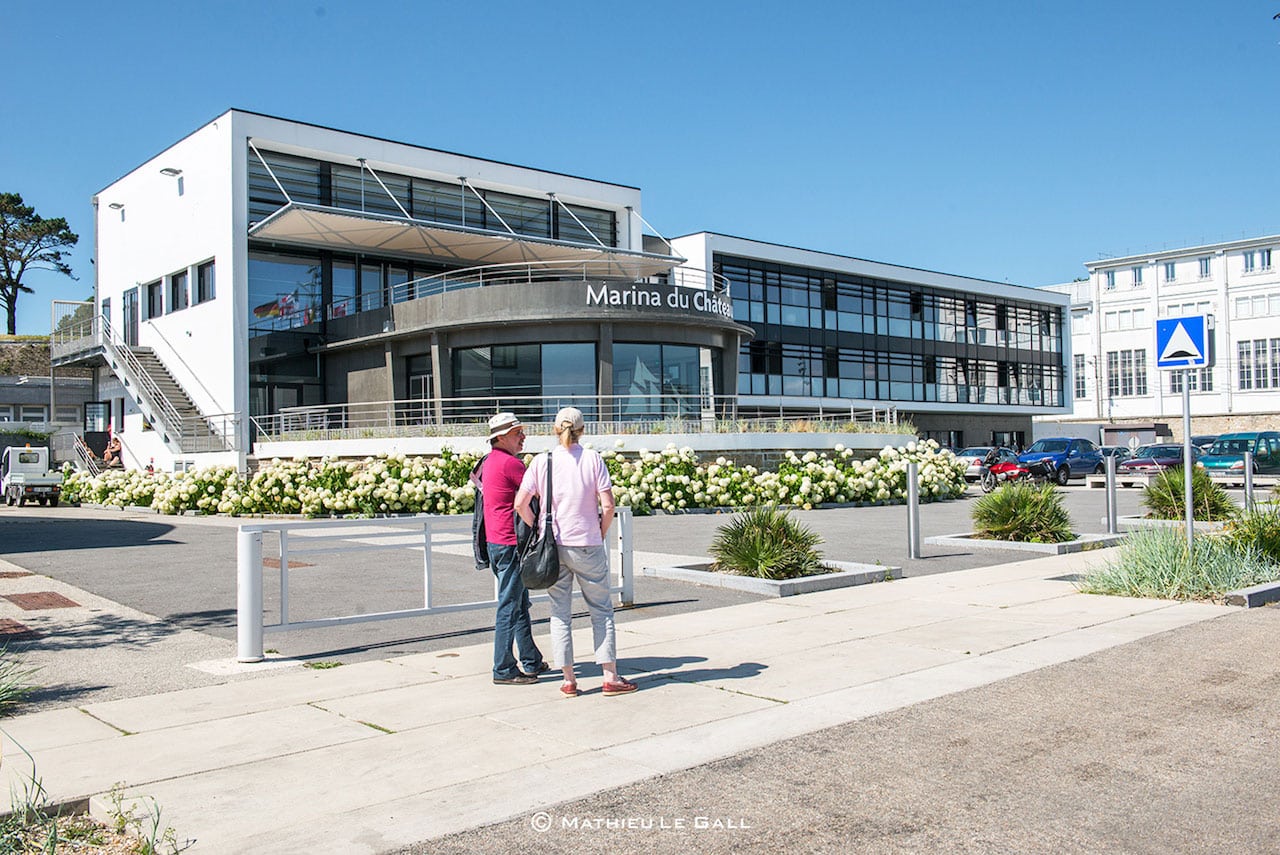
[155, 330]
[361, 536]
[618, 414]
[87, 458]
[119, 350]
[515, 273]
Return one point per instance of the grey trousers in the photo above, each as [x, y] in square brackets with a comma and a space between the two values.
[590, 566]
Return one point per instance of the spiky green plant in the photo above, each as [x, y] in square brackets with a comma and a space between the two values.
[766, 542]
[1258, 527]
[1023, 512]
[1165, 498]
[1155, 562]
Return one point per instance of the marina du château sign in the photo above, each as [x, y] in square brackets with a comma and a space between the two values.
[662, 297]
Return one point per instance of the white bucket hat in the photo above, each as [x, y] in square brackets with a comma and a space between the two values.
[501, 424]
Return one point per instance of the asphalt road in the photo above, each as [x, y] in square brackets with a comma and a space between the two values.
[183, 569]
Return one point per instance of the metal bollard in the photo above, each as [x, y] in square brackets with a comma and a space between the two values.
[1113, 521]
[626, 559]
[913, 509]
[249, 596]
[1248, 480]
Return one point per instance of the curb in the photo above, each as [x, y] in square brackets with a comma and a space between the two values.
[1082, 544]
[850, 574]
[1254, 596]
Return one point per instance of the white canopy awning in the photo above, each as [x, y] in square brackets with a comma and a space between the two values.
[342, 230]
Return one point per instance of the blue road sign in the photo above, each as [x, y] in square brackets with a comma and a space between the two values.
[1182, 342]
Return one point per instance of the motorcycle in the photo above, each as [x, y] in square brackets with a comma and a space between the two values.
[1040, 472]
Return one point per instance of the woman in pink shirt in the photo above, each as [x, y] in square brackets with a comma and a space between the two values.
[582, 511]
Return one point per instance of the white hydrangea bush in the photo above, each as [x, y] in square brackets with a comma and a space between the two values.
[670, 480]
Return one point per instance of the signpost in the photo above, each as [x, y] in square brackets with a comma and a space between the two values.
[1182, 344]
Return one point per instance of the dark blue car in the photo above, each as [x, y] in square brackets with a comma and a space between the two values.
[1072, 457]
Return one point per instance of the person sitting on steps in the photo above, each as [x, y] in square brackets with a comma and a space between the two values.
[111, 456]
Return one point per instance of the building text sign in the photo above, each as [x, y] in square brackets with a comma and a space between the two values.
[666, 297]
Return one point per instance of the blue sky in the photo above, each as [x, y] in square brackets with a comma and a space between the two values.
[1010, 141]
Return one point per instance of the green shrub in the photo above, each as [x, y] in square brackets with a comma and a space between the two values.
[15, 681]
[1164, 496]
[1155, 563]
[766, 542]
[1258, 527]
[1023, 512]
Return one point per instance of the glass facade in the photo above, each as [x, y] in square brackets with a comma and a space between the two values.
[354, 188]
[656, 380]
[821, 333]
[555, 375]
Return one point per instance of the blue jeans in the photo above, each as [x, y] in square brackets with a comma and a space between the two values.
[511, 626]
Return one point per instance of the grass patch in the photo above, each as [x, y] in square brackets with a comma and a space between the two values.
[767, 543]
[1155, 563]
[322, 665]
[1024, 513]
[15, 681]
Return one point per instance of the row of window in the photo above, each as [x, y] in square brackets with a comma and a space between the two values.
[38, 413]
[172, 293]
[1252, 261]
[766, 293]
[357, 188]
[1257, 306]
[774, 368]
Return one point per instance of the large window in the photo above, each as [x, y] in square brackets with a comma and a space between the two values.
[1078, 376]
[654, 380]
[532, 380]
[284, 290]
[178, 291]
[1126, 373]
[204, 282]
[1258, 364]
[153, 300]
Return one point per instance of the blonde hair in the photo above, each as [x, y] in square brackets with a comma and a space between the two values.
[568, 436]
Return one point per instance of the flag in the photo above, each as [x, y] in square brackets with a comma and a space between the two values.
[279, 307]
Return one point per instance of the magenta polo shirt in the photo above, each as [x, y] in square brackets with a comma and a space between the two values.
[499, 480]
[578, 476]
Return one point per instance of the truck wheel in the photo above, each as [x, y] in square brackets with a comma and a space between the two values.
[53, 503]
[43, 502]
[8, 499]
[22, 501]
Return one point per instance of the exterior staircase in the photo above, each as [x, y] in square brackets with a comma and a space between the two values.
[175, 413]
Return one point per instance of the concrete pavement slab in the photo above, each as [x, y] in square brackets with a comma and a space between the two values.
[434, 813]
[455, 698]
[316, 786]
[304, 686]
[70, 772]
[52, 729]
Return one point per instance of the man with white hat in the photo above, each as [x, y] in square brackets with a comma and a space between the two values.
[500, 478]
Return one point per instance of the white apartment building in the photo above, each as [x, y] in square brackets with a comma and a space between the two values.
[1114, 380]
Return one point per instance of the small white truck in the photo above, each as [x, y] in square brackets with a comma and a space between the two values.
[25, 476]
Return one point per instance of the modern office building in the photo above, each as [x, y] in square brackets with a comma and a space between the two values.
[1115, 381]
[262, 276]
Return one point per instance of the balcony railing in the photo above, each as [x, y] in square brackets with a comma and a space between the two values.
[605, 414]
[503, 274]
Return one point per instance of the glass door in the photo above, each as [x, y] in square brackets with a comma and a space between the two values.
[130, 319]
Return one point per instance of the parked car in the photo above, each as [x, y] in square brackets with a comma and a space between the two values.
[1072, 457]
[1152, 459]
[1119, 452]
[1204, 441]
[1227, 452]
[975, 455]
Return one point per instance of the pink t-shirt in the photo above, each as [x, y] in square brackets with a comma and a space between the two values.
[578, 477]
[499, 481]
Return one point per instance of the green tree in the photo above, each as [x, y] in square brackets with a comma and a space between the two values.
[28, 242]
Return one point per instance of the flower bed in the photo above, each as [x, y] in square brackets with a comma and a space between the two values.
[670, 480]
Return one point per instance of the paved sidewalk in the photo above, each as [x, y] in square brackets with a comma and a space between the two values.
[385, 753]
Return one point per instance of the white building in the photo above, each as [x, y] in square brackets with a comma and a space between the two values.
[1114, 379]
[265, 278]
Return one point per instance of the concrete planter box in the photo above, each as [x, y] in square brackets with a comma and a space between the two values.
[1133, 523]
[848, 575]
[1084, 543]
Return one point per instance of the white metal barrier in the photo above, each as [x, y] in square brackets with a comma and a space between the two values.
[250, 625]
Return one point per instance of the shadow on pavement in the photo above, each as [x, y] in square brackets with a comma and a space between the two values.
[98, 631]
[42, 534]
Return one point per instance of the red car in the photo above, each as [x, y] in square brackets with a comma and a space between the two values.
[1152, 460]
